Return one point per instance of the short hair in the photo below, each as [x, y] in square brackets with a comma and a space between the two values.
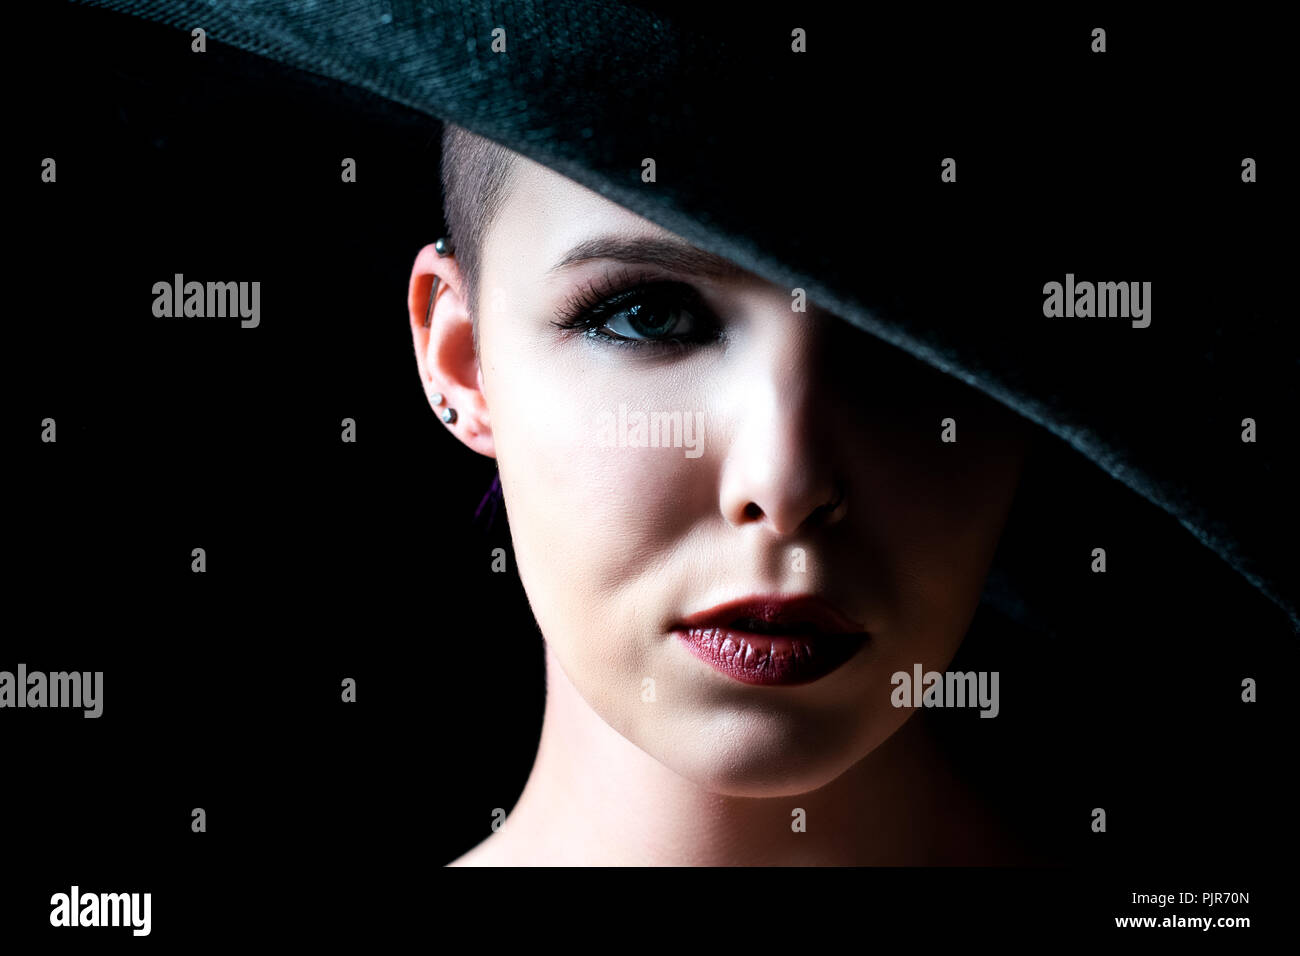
[475, 175]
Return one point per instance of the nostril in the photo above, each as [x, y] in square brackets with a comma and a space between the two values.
[753, 511]
[825, 512]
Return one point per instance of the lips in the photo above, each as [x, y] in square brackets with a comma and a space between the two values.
[773, 639]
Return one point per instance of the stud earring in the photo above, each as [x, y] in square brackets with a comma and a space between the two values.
[444, 248]
[449, 415]
[436, 398]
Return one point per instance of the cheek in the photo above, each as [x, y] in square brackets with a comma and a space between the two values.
[588, 516]
[935, 513]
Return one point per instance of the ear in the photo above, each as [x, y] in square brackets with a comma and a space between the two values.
[444, 351]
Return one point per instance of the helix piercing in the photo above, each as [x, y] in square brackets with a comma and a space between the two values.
[444, 248]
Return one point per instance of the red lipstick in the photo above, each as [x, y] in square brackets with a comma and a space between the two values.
[770, 639]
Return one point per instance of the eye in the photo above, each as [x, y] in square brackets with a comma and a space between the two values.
[668, 314]
[650, 317]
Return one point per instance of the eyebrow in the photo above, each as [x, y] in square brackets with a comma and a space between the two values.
[671, 254]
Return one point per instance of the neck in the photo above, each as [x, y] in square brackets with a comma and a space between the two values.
[595, 798]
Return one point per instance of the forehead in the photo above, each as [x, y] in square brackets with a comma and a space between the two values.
[543, 215]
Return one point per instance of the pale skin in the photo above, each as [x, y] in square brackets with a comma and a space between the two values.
[616, 543]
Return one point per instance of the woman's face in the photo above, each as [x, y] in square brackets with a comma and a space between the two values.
[618, 541]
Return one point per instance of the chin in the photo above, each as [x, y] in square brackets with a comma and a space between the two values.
[743, 763]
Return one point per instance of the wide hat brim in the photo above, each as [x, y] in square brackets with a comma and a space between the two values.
[821, 170]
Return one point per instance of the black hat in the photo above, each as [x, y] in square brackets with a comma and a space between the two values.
[927, 183]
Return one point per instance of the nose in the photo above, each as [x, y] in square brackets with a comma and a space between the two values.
[780, 471]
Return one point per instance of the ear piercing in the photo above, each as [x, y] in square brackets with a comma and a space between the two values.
[448, 414]
[444, 248]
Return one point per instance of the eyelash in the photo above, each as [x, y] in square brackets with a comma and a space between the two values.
[588, 310]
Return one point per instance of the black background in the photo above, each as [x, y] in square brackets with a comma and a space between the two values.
[329, 560]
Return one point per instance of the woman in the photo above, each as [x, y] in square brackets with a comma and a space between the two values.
[823, 428]
[722, 628]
